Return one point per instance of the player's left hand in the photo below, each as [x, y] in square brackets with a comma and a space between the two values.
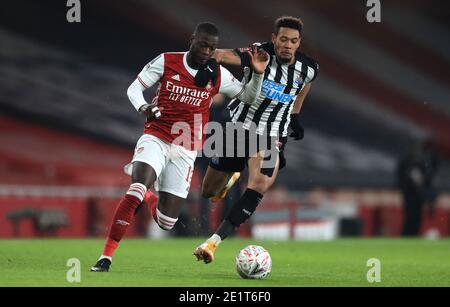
[297, 130]
[259, 59]
[151, 111]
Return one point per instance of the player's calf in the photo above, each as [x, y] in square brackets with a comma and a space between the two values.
[149, 201]
[211, 189]
[219, 189]
[261, 180]
[244, 207]
[214, 182]
[261, 186]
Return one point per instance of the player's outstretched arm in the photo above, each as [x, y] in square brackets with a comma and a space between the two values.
[300, 99]
[233, 88]
[149, 76]
[259, 59]
[297, 129]
[249, 92]
[227, 56]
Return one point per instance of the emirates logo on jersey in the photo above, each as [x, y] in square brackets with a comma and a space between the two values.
[187, 95]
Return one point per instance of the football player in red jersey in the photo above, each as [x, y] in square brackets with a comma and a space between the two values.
[165, 153]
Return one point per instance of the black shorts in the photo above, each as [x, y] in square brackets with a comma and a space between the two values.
[238, 160]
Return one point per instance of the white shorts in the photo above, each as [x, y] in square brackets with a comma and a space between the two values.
[173, 164]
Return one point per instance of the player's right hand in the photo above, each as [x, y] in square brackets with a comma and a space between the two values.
[298, 132]
[259, 59]
[150, 111]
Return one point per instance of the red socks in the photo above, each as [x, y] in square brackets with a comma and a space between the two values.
[123, 216]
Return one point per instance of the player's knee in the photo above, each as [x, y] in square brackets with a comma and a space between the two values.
[260, 188]
[260, 185]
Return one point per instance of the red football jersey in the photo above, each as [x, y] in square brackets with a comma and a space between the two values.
[185, 106]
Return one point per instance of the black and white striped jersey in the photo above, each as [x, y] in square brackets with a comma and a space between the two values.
[270, 113]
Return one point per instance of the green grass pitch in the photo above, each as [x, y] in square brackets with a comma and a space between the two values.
[170, 262]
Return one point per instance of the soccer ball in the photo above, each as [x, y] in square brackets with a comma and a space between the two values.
[253, 262]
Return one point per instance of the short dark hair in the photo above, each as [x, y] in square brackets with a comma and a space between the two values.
[288, 22]
[206, 28]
